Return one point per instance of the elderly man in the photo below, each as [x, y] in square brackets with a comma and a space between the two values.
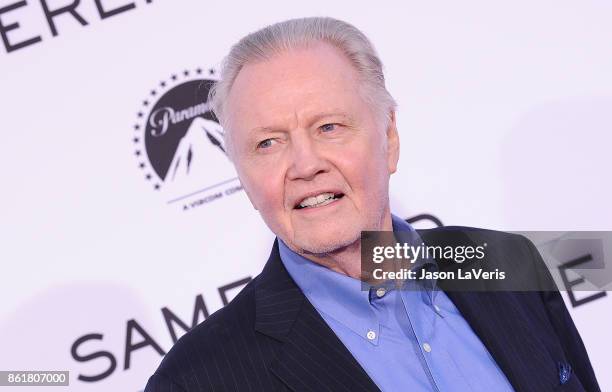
[311, 130]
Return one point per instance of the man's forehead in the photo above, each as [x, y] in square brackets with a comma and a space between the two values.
[295, 89]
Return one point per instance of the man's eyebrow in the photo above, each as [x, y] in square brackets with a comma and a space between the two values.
[315, 118]
[262, 129]
[321, 116]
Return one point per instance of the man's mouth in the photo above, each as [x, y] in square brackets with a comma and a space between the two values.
[319, 200]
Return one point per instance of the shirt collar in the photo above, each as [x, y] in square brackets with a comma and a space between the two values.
[337, 295]
[404, 232]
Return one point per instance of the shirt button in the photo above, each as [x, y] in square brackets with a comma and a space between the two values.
[371, 335]
[427, 347]
[437, 308]
[380, 292]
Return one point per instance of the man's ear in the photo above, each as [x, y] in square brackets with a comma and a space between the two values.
[393, 144]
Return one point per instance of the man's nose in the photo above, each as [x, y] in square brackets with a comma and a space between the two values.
[306, 160]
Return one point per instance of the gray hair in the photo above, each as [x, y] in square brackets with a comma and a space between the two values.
[261, 45]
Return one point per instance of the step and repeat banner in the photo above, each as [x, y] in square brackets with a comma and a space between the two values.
[123, 224]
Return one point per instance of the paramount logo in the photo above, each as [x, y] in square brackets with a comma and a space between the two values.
[180, 143]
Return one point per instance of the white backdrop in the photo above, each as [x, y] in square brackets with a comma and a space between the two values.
[505, 122]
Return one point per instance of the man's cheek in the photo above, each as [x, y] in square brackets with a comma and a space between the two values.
[273, 201]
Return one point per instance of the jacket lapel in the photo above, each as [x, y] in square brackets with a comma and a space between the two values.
[311, 357]
[494, 317]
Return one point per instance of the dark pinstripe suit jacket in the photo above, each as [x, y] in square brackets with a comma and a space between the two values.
[270, 338]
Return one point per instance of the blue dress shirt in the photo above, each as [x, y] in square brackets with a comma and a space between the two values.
[404, 339]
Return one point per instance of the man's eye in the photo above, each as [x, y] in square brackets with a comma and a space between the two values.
[328, 127]
[265, 143]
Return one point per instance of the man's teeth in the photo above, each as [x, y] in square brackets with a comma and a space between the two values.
[319, 200]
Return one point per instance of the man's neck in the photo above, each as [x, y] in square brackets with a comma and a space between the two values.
[347, 259]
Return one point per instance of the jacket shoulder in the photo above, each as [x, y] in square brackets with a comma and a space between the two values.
[212, 352]
[499, 243]
[473, 232]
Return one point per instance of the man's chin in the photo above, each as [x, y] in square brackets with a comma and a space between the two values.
[322, 246]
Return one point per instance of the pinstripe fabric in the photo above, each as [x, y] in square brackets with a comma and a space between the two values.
[270, 338]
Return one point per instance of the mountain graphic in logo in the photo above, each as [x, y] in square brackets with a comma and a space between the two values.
[200, 155]
[180, 145]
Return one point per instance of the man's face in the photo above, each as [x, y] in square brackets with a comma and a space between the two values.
[311, 154]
